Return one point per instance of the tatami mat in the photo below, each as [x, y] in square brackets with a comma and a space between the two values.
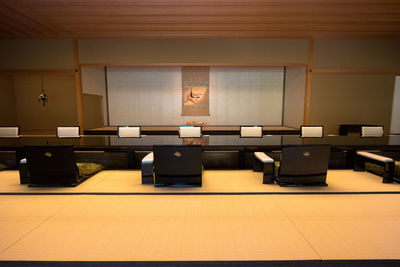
[199, 227]
[347, 226]
[234, 181]
[161, 228]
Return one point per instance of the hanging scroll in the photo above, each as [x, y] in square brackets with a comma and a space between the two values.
[195, 91]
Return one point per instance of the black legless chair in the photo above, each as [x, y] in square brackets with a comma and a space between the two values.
[177, 165]
[303, 165]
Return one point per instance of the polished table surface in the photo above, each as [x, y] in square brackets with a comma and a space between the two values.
[208, 142]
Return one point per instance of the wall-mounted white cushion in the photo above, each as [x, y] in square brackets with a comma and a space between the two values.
[9, 131]
[149, 158]
[189, 131]
[371, 131]
[68, 132]
[261, 156]
[128, 131]
[374, 156]
[312, 131]
[251, 131]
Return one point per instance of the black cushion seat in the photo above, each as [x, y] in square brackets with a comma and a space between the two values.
[303, 165]
[177, 165]
[54, 166]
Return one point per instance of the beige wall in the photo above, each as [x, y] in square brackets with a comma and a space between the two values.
[328, 54]
[295, 86]
[60, 109]
[343, 99]
[358, 54]
[36, 54]
[140, 51]
[92, 111]
[8, 115]
[94, 83]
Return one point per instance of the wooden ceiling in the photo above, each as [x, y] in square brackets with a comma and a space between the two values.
[200, 18]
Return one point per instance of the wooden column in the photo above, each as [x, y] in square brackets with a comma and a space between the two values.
[307, 98]
[78, 86]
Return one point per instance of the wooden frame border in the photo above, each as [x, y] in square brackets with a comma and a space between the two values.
[358, 71]
[307, 96]
[195, 64]
[78, 86]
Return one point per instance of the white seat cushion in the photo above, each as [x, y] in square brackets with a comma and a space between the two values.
[9, 132]
[68, 132]
[189, 131]
[128, 131]
[251, 131]
[263, 157]
[371, 131]
[312, 131]
[22, 161]
[149, 158]
[374, 156]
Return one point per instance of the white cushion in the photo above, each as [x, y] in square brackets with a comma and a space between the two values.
[371, 131]
[251, 131]
[22, 161]
[9, 131]
[189, 131]
[374, 156]
[263, 157]
[149, 158]
[128, 131]
[68, 132]
[312, 131]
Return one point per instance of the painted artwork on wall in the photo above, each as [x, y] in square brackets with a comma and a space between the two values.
[195, 91]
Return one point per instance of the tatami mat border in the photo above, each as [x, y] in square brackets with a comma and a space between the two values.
[202, 193]
[290, 263]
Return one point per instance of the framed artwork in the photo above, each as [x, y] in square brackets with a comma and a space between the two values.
[195, 91]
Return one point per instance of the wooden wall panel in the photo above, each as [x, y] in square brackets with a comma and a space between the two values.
[238, 51]
[347, 99]
[36, 54]
[362, 54]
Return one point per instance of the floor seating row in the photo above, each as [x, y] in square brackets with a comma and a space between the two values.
[172, 165]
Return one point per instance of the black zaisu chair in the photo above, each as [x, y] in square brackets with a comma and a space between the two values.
[303, 165]
[177, 165]
[56, 166]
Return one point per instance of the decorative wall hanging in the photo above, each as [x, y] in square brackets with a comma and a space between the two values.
[42, 97]
[195, 91]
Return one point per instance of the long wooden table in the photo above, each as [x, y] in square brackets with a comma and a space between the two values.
[206, 129]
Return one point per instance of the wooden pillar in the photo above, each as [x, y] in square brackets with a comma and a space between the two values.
[307, 99]
[78, 86]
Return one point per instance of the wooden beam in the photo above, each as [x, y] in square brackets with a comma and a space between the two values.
[39, 71]
[78, 86]
[211, 64]
[358, 71]
[307, 98]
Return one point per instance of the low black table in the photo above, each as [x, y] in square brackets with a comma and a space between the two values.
[345, 129]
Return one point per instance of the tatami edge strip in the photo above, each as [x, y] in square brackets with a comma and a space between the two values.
[202, 193]
[297, 263]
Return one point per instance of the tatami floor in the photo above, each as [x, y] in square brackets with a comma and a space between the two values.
[221, 181]
[200, 227]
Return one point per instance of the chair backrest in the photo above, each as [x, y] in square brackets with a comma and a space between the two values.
[311, 131]
[51, 165]
[304, 160]
[177, 160]
[190, 131]
[9, 132]
[251, 131]
[68, 132]
[372, 131]
[129, 131]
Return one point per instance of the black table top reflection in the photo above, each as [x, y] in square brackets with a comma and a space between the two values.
[208, 142]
